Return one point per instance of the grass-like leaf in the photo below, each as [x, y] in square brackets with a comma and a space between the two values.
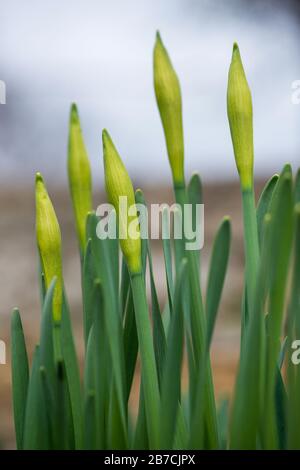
[264, 204]
[72, 375]
[171, 383]
[20, 374]
[35, 416]
[112, 318]
[280, 243]
[217, 272]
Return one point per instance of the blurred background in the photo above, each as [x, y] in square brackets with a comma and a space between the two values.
[99, 54]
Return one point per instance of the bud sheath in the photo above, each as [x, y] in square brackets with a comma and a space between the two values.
[239, 110]
[118, 185]
[79, 172]
[168, 97]
[49, 243]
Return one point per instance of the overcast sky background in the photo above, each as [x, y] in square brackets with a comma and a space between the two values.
[99, 54]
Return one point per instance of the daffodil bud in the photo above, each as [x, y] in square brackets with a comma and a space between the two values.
[168, 97]
[118, 185]
[49, 243]
[80, 180]
[239, 110]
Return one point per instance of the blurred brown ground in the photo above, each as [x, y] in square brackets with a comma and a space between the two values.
[19, 285]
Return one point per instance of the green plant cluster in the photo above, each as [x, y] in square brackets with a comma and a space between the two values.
[54, 409]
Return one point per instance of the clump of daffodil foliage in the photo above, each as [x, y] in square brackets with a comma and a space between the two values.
[54, 408]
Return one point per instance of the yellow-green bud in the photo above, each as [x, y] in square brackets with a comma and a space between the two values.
[49, 243]
[80, 180]
[168, 97]
[239, 110]
[118, 184]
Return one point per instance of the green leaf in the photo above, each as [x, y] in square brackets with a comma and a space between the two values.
[103, 263]
[197, 327]
[264, 204]
[293, 332]
[46, 335]
[148, 364]
[282, 353]
[72, 374]
[141, 440]
[140, 201]
[166, 237]
[35, 436]
[297, 187]
[50, 410]
[223, 421]
[20, 374]
[42, 283]
[125, 286]
[113, 244]
[171, 383]
[280, 409]
[159, 338]
[88, 290]
[89, 369]
[130, 342]
[181, 430]
[195, 196]
[91, 426]
[109, 408]
[247, 407]
[280, 244]
[59, 423]
[256, 376]
[90, 439]
[217, 272]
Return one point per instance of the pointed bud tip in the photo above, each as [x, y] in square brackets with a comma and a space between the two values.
[105, 137]
[106, 140]
[235, 51]
[39, 178]
[287, 168]
[158, 37]
[74, 114]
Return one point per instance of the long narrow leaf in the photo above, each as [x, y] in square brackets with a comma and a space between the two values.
[217, 272]
[20, 374]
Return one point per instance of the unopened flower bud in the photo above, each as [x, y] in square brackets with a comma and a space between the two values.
[49, 243]
[118, 185]
[168, 97]
[239, 110]
[80, 180]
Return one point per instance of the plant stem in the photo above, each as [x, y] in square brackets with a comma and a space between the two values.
[181, 199]
[149, 373]
[251, 243]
